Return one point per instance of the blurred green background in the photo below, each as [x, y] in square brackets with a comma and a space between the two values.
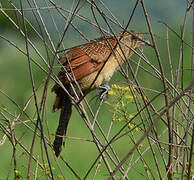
[15, 82]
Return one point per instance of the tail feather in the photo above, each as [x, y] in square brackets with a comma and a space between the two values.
[66, 110]
[57, 102]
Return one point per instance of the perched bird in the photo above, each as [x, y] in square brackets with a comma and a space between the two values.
[85, 68]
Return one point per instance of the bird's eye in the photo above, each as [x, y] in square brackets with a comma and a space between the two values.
[136, 38]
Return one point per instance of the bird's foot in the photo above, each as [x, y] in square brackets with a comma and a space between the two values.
[103, 91]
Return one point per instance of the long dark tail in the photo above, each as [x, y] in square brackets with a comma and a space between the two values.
[66, 110]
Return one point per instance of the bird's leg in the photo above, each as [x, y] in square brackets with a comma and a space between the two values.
[103, 91]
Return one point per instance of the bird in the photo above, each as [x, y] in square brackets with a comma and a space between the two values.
[86, 67]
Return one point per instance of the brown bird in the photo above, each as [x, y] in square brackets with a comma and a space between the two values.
[86, 67]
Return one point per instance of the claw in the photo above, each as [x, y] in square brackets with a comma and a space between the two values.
[103, 91]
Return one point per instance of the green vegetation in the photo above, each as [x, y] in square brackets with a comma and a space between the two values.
[127, 107]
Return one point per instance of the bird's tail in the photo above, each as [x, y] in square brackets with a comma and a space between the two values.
[66, 110]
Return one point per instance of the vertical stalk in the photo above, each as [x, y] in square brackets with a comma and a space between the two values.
[189, 115]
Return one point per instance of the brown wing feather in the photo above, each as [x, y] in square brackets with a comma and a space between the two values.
[84, 60]
[72, 54]
[78, 69]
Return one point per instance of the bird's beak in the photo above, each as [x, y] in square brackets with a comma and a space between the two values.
[146, 42]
